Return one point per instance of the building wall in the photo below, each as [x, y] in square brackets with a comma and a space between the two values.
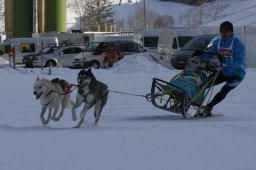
[55, 15]
[51, 16]
[41, 16]
[9, 17]
[23, 18]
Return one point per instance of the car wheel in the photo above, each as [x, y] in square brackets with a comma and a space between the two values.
[50, 64]
[29, 65]
[95, 64]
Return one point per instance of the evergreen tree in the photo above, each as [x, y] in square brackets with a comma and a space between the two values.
[98, 14]
[94, 14]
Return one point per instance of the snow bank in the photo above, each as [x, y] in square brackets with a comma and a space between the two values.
[138, 64]
[4, 62]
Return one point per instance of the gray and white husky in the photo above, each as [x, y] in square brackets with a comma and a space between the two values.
[91, 92]
[52, 95]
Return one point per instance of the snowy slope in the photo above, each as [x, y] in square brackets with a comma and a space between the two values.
[176, 10]
[132, 134]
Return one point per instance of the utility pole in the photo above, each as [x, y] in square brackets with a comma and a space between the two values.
[145, 15]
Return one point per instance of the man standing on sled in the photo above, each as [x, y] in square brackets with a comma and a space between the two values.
[231, 52]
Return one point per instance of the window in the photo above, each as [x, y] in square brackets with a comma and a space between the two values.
[77, 50]
[184, 40]
[137, 48]
[101, 48]
[151, 41]
[27, 48]
[92, 46]
[68, 51]
[174, 44]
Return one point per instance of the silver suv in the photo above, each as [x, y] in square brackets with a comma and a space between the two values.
[61, 57]
[93, 56]
[104, 54]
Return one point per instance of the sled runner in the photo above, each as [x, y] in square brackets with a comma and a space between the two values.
[186, 92]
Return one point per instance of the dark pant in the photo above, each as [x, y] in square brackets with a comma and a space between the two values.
[231, 83]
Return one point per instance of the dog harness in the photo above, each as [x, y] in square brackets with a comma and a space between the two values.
[102, 91]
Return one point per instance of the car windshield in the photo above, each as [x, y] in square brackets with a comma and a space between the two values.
[183, 40]
[92, 46]
[198, 42]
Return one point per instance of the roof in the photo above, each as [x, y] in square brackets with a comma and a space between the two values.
[243, 21]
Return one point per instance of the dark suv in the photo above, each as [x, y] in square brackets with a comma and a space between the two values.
[201, 42]
[117, 50]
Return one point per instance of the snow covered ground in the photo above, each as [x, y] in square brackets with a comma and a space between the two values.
[176, 10]
[131, 134]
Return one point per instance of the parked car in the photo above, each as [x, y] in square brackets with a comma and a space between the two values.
[201, 42]
[29, 58]
[63, 56]
[104, 54]
[117, 50]
[93, 56]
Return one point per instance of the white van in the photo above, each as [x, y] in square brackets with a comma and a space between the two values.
[24, 46]
[167, 40]
[150, 38]
[170, 40]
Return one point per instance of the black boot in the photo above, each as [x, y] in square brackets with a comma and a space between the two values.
[204, 112]
[208, 111]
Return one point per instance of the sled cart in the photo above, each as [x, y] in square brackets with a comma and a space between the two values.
[187, 92]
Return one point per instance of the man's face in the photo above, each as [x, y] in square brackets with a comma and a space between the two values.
[225, 33]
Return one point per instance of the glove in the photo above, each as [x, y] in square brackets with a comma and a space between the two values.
[198, 53]
[221, 58]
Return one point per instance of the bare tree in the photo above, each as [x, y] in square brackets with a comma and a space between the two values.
[79, 8]
[219, 6]
[164, 21]
[207, 12]
[2, 22]
[136, 20]
[93, 14]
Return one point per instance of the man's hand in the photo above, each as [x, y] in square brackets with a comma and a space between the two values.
[221, 58]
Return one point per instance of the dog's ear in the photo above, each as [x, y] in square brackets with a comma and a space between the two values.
[37, 78]
[89, 70]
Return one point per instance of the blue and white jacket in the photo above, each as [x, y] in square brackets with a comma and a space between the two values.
[234, 52]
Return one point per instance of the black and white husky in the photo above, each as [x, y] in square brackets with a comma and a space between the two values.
[52, 95]
[91, 92]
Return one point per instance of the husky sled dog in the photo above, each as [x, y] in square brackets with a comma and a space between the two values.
[52, 95]
[90, 92]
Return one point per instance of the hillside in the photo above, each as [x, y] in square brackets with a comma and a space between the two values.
[176, 10]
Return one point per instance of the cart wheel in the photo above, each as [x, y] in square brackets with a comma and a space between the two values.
[187, 110]
[161, 99]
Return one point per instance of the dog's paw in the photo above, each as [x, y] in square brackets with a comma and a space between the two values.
[43, 122]
[53, 118]
[56, 119]
[74, 117]
[95, 125]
